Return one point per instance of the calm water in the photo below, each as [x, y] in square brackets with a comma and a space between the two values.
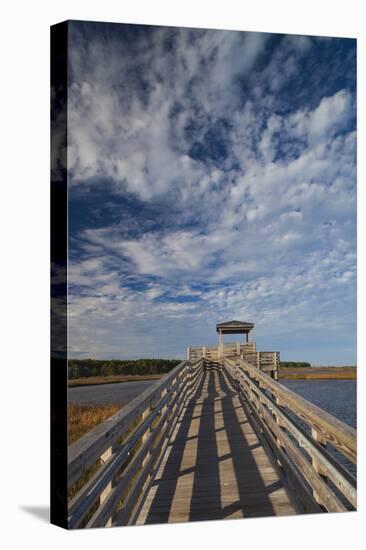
[338, 397]
[121, 392]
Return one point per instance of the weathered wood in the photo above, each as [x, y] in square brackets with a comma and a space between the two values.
[90, 492]
[137, 494]
[317, 465]
[101, 515]
[209, 443]
[336, 432]
[160, 402]
[104, 494]
[179, 406]
[84, 452]
[315, 444]
[324, 493]
[300, 492]
[213, 353]
[325, 463]
[215, 465]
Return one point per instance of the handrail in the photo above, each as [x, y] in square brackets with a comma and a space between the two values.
[216, 352]
[339, 434]
[301, 452]
[86, 450]
[121, 458]
[112, 467]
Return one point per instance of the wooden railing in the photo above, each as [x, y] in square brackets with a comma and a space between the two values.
[266, 361]
[111, 468]
[298, 435]
[214, 353]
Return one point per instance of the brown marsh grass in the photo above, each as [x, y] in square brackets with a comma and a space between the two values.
[83, 418]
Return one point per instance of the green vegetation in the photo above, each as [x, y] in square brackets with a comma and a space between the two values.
[293, 364]
[85, 368]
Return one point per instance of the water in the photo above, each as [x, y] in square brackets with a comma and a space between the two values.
[120, 392]
[338, 397]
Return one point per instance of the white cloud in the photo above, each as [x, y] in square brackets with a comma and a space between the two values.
[261, 235]
[332, 114]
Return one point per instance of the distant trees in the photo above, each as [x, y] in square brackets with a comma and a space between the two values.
[83, 368]
[294, 364]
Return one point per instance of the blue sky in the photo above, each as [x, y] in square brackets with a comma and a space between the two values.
[212, 176]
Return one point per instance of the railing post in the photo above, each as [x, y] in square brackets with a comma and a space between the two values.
[319, 438]
[317, 467]
[275, 365]
[145, 414]
[279, 424]
[258, 360]
[165, 407]
[104, 494]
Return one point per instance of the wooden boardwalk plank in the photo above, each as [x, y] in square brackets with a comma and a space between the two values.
[215, 466]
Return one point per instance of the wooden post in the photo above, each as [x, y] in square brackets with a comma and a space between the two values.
[204, 352]
[145, 414]
[221, 350]
[163, 410]
[188, 353]
[146, 435]
[275, 366]
[279, 424]
[317, 467]
[319, 438]
[103, 495]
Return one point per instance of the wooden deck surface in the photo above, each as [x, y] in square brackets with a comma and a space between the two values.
[214, 467]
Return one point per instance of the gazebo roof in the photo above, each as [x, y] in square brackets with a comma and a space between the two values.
[234, 327]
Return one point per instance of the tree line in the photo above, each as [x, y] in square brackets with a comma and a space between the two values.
[83, 368]
[294, 364]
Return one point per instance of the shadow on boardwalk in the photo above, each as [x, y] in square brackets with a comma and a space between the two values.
[215, 467]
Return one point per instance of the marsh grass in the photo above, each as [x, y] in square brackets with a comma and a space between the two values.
[82, 418]
[318, 373]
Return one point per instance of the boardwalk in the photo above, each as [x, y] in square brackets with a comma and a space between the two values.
[217, 437]
[215, 466]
